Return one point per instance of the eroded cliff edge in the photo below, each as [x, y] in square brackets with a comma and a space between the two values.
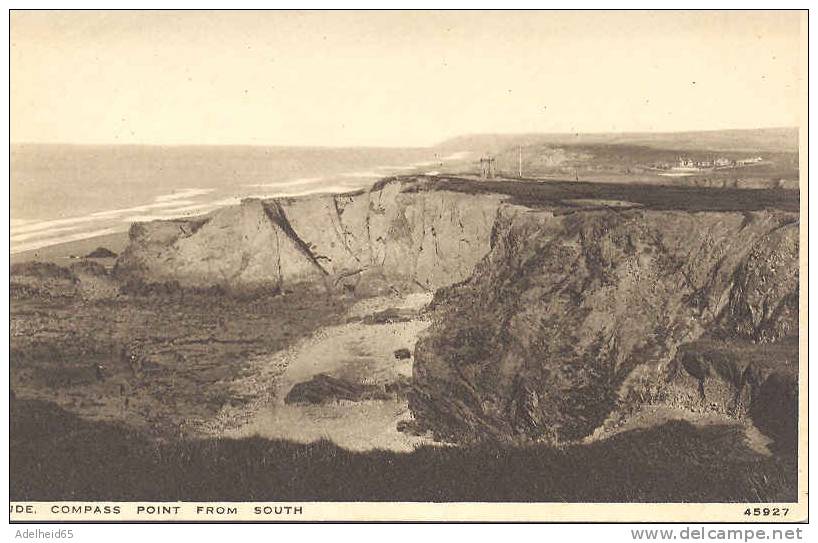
[554, 302]
[569, 314]
[397, 236]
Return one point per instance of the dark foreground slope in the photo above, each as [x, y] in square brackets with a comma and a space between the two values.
[57, 456]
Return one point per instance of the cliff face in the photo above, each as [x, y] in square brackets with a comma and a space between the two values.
[545, 314]
[566, 311]
[391, 238]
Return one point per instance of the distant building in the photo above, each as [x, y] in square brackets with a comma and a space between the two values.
[686, 164]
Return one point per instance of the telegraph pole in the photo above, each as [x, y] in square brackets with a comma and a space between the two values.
[521, 162]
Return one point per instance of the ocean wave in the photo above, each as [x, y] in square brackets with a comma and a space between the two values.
[201, 209]
[288, 183]
[28, 234]
[330, 189]
[49, 225]
[32, 228]
[360, 175]
[182, 194]
[425, 163]
[114, 213]
[396, 168]
[45, 242]
[183, 212]
[41, 233]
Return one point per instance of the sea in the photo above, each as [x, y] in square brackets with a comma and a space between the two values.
[63, 193]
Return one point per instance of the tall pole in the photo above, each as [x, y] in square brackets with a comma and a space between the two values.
[521, 162]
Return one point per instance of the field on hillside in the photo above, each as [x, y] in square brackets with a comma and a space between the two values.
[645, 158]
[570, 194]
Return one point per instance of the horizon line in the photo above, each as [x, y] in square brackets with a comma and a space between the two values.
[431, 146]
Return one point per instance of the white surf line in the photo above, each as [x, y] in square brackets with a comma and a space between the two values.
[162, 201]
[184, 211]
[182, 194]
[114, 213]
[317, 189]
[42, 233]
[332, 189]
[312, 189]
[197, 209]
[425, 163]
[459, 155]
[288, 183]
[47, 225]
[200, 209]
[396, 168]
[39, 244]
[360, 175]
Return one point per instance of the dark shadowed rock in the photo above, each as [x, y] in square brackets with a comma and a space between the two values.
[323, 388]
[403, 354]
[409, 427]
[775, 410]
[101, 252]
[391, 316]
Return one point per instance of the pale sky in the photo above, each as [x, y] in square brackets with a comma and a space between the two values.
[394, 78]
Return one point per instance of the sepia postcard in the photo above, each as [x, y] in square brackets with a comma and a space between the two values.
[481, 266]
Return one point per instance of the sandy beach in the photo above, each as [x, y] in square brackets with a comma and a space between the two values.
[65, 253]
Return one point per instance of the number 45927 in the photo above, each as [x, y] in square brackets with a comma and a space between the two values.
[766, 511]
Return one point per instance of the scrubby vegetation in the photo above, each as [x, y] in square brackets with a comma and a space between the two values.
[58, 456]
[158, 358]
[679, 198]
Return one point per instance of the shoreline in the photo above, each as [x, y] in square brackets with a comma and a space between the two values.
[358, 351]
[69, 251]
[65, 251]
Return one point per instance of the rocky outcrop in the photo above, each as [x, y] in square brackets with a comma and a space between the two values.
[322, 388]
[567, 310]
[396, 236]
[552, 300]
[101, 252]
[763, 302]
[775, 410]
